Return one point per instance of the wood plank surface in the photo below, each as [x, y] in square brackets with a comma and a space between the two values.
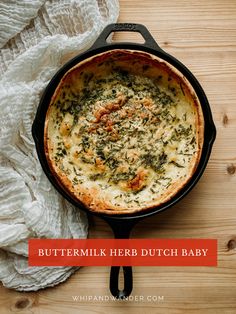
[202, 35]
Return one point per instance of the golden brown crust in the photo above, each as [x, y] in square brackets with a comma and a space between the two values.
[92, 197]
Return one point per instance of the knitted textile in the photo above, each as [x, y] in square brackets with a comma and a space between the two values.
[36, 38]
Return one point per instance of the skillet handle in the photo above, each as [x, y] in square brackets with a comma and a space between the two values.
[121, 229]
[114, 281]
[125, 27]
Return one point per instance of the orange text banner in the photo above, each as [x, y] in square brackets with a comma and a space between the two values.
[123, 252]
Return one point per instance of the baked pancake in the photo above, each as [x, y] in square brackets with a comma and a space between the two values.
[123, 132]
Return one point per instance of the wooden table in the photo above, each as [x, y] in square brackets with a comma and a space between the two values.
[201, 34]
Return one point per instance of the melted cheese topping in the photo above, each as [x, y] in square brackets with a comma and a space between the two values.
[123, 135]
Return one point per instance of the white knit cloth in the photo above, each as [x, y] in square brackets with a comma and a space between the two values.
[36, 38]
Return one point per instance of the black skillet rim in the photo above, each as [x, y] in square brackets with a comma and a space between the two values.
[154, 49]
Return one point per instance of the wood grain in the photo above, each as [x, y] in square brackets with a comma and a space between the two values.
[201, 34]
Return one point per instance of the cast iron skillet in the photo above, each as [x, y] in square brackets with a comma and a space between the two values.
[122, 224]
